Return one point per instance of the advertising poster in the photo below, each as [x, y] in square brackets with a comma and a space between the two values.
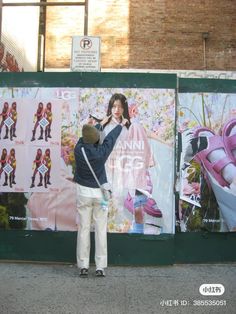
[140, 168]
[207, 124]
[30, 140]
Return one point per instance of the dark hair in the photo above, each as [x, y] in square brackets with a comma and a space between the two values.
[124, 104]
[48, 151]
[49, 105]
[40, 105]
[4, 152]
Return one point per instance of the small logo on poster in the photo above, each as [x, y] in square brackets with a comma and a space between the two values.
[42, 169]
[8, 122]
[43, 122]
[8, 168]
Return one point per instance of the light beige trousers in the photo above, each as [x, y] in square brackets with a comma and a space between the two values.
[89, 209]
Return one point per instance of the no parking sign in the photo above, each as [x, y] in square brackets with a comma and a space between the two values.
[85, 55]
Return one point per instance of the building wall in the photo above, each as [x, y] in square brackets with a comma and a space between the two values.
[61, 24]
[157, 34]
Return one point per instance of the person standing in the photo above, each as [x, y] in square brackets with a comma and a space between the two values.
[89, 196]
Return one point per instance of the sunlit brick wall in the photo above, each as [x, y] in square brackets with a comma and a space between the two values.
[158, 34]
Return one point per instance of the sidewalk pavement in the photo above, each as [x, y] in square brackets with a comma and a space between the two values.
[30, 288]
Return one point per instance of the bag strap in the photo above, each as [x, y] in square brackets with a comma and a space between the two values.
[90, 167]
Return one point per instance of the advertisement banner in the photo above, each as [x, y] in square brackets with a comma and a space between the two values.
[30, 141]
[140, 169]
[207, 128]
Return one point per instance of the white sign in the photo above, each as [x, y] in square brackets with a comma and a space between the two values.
[85, 55]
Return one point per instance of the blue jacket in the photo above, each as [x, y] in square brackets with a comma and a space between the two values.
[97, 155]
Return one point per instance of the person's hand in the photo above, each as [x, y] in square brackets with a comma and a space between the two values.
[91, 120]
[124, 121]
[105, 120]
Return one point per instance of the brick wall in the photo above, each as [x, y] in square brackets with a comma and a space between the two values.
[157, 34]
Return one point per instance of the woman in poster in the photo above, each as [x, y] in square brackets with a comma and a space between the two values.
[13, 116]
[3, 161]
[48, 117]
[4, 116]
[12, 163]
[48, 163]
[36, 164]
[127, 166]
[38, 116]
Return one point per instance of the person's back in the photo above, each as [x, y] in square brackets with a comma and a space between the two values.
[89, 196]
[97, 155]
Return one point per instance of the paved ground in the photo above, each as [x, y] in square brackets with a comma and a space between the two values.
[46, 288]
